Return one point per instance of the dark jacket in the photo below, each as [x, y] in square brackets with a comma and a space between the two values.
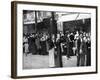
[51, 44]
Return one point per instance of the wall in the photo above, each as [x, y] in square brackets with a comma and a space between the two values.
[78, 25]
[5, 41]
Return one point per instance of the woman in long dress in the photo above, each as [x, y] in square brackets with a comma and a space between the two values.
[51, 53]
[32, 45]
[83, 52]
[26, 46]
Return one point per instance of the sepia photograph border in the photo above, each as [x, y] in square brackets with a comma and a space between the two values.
[14, 33]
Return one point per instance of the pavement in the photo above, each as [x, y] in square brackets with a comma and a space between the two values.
[71, 62]
[42, 61]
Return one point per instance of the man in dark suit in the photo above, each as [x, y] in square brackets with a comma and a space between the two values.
[78, 51]
[71, 38]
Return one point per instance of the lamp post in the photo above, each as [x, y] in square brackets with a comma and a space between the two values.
[58, 59]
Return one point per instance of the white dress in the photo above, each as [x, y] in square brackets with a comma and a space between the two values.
[26, 45]
[51, 58]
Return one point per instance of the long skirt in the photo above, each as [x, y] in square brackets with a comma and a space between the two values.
[82, 60]
[51, 58]
[26, 48]
[32, 48]
[43, 48]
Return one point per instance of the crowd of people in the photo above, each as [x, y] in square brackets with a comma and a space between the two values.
[76, 43]
[79, 44]
[35, 43]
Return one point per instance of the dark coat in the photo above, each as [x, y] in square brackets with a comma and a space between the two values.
[50, 43]
[32, 45]
[83, 46]
[78, 45]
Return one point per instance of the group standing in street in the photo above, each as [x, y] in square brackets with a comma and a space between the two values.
[76, 43]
